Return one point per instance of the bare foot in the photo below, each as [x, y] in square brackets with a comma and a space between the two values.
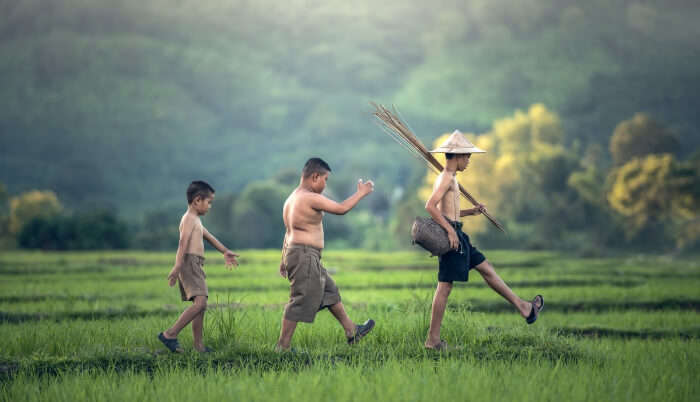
[525, 307]
[280, 349]
[442, 345]
[203, 349]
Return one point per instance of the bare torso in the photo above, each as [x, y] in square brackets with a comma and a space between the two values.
[195, 245]
[304, 224]
[449, 204]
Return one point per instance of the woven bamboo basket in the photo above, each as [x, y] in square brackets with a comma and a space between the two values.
[430, 235]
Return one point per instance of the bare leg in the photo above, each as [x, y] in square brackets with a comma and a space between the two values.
[496, 283]
[197, 331]
[339, 313]
[286, 333]
[190, 313]
[438, 312]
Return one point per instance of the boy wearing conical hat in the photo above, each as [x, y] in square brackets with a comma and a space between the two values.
[443, 206]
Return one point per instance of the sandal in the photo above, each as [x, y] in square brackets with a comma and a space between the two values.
[535, 311]
[360, 331]
[172, 344]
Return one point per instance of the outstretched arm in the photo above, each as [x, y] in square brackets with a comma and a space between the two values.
[185, 234]
[321, 203]
[439, 191]
[229, 255]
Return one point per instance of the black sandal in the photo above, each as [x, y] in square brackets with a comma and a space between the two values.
[535, 311]
[360, 331]
[172, 344]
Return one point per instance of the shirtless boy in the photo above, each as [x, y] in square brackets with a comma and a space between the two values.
[443, 206]
[188, 271]
[312, 289]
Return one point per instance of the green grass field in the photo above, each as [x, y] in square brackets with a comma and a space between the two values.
[78, 326]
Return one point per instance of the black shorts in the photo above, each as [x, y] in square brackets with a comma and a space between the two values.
[455, 264]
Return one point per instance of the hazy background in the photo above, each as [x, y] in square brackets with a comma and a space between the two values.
[109, 109]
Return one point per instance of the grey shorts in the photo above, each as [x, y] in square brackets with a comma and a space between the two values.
[192, 278]
[311, 288]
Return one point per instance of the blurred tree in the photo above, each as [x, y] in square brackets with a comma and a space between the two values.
[638, 137]
[93, 230]
[257, 215]
[100, 230]
[655, 190]
[219, 218]
[30, 205]
[5, 238]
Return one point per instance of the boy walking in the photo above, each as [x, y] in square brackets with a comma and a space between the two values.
[443, 206]
[188, 271]
[311, 288]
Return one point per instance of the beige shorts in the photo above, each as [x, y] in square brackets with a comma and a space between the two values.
[312, 289]
[191, 278]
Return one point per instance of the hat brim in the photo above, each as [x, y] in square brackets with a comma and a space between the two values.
[469, 150]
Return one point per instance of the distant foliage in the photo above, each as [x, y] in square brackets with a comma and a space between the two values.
[96, 230]
[257, 215]
[638, 137]
[657, 191]
[32, 205]
[204, 89]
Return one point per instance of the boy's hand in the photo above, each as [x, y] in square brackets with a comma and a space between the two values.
[283, 269]
[230, 258]
[172, 276]
[479, 209]
[365, 188]
[452, 237]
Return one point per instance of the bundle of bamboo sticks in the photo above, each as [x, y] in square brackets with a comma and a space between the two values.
[397, 130]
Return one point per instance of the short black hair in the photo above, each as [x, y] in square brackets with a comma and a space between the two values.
[315, 165]
[450, 156]
[198, 188]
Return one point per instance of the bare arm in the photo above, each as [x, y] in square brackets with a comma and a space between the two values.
[283, 268]
[185, 234]
[213, 241]
[229, 255]
[472, 211]
[321, 203]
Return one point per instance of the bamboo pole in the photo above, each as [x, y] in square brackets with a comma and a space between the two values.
[396, 129]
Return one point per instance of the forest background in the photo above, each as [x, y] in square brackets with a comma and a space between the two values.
[588, 111]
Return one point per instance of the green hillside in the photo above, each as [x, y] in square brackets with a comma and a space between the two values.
[124, 102]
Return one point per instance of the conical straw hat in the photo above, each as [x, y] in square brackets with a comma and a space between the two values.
[456, 143]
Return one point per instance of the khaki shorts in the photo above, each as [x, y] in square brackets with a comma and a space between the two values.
[191, 278]
[312, 289]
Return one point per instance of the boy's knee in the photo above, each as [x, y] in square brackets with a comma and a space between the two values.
[485, 269]
[200, 302]
[445, 288]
